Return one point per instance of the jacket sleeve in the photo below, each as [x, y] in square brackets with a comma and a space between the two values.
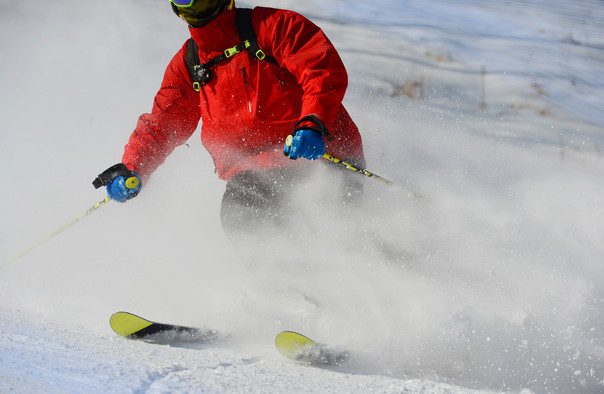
[302, 48]
[172, 121]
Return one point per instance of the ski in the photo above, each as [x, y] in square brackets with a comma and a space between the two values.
[298, 347]
[290, 344]
[135, 327]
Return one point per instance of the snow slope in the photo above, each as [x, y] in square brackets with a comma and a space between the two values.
[43, 357]
[492, 282]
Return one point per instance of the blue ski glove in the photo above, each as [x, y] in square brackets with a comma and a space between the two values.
[122, 189]
[307, 140]
[306, 143]
[122, 184]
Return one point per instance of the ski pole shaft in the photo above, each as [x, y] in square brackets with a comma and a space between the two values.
[368, 174]
[356, 169]
[56, 232]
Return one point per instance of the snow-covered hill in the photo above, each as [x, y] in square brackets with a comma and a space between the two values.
[492, 282]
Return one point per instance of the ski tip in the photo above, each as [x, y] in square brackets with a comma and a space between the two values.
[293, 345]
[126, 324]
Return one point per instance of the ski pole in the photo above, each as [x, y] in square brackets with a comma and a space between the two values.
[53, 234]
[368, 174]
[356, 169]
[290, 138]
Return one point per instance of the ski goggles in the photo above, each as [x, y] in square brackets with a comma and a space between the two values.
[183, 3]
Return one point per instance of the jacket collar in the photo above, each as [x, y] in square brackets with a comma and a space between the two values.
[218, 35]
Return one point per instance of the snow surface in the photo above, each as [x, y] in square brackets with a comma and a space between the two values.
[492, 282]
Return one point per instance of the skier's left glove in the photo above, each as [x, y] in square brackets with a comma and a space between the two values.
[122, 184]
[307, 140]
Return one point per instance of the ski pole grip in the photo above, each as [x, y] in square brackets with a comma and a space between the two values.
[132, 182]
[111, 173]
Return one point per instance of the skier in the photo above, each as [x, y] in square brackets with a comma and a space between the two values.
[248, 106]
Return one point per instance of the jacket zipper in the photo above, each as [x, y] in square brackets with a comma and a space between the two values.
[249, 102]
[279, 79]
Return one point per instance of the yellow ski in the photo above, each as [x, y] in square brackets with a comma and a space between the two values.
[298, 347]
[135, 327]
[127, 324]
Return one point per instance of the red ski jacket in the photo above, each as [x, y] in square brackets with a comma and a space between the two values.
[250, 106]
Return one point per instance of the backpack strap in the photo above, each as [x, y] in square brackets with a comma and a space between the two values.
[193, 64]
[243, 21]
[200, 73]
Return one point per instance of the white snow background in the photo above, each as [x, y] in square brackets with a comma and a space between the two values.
[493, 282]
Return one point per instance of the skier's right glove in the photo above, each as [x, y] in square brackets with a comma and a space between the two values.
[122, 184]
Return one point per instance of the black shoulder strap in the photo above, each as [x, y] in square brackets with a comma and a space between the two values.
[200, 73]
[243, 20]
[192, 55]
[193, 62]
